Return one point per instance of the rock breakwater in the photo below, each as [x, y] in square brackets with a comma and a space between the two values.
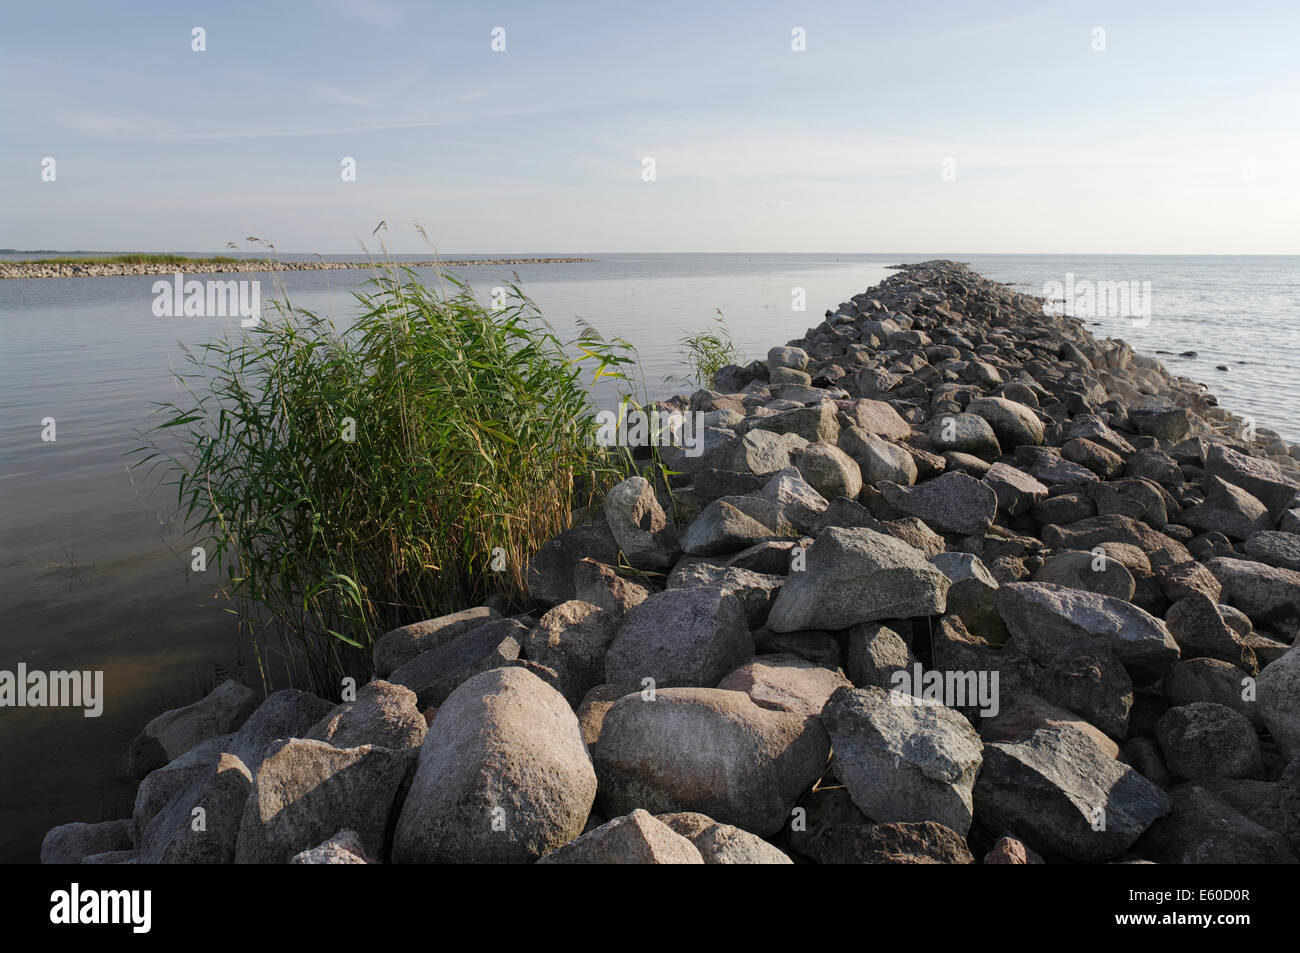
[200, 266]
[1099, 565]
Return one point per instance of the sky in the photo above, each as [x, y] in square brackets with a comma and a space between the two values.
[984, 127]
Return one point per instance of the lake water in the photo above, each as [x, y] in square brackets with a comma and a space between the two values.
[93, 575]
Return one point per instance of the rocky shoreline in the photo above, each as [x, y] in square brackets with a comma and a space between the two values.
[27, 269]
[952, 581]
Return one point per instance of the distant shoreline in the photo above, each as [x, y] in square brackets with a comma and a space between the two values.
[91, 267]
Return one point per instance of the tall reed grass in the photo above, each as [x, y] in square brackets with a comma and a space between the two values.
[353, 480]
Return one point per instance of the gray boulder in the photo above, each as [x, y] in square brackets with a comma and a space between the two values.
[636, 838]
[383, 714]
[171, 734]
[434, 675]
[950, 503]
[1206, 740]
[572, 639]
[395, 648]
[723, 843]
[640, 526]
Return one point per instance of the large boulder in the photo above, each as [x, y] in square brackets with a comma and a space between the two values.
[1014, 424]
[1279, 701]
[679, 637]
[903, 758]
[398, 646]
[964, 433]
[1207, 740]
[829, 470]
[950, 503]
[722, 527]
[72, 843]
[1228, 510]
[306, 791]
[200, 824]
[1044, 619]
[287, 713]
[727, 757]
[756, 591]
[1058, 791]
[1203, 828]
[786, 682]
[434, 675]
[1265, 593]
[1016, 490]
[383, 714]
[549, 573]
[858, 575]
[640, 527]
[572, 639]
[1262, 479]
[503, 776]
[878, 460]
[171, 734]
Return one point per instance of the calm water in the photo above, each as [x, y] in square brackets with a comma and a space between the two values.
[92, 569]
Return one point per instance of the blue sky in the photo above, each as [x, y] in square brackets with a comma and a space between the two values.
[1182, 136]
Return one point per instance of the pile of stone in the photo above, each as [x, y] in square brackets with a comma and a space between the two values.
[950, 581]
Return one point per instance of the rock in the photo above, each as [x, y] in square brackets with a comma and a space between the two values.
[756, 591]
[1058, 791]
[503, 776]
[160, 786]
[72, 843]
[926, 842]
[1200, 632]
[679, 637]
[1008, 850]
[878, 460]
[1076, 569]
[722, 528]
[731, 759]
[591, 713]
[1211, 680]
[794, 357]
[964, 433]
[1171, 424]
[1101, 461]
[383, 714]
[1227, 510]
[797, 501]
[1016, 491]
[877, 417]
[1206, 740]
[640, 526]
[1092, 532]
[857, 575]
[1277, 549]
[903, 761]
[395, 648]
[950, 503]
[603, 587]
[434, 675]
[1202, 828]
[1092, 683]
[1022, 713]
[345, 847]
[785, 683]
[285, 714]
[876, 652]
[1262, 479]
[758, 452]
[305, 791]
[829, 470]
[636, 838]
[1179, 580]
[722, 843]
[1043, 619]
[572, 639]
[1265, 593]
[175, 732]
[1014, 424]
[549, 574]
[971, 596]
[815, 424]
[220, 795]
[1279, 701]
